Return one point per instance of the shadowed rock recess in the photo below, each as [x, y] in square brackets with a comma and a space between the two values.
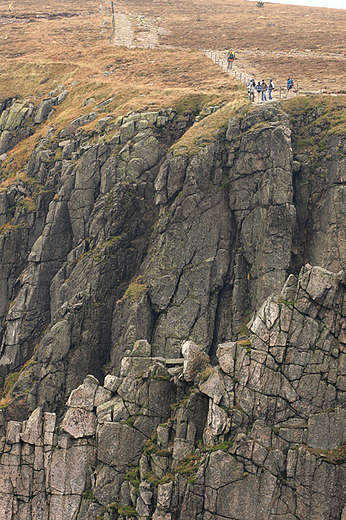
[187, 279]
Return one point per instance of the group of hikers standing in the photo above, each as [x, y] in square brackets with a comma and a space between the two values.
[262, 88]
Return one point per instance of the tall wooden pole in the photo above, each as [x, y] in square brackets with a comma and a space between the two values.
[113, 23]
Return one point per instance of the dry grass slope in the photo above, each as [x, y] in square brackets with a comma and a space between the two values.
[46, 45]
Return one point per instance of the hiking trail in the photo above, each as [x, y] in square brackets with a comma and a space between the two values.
[142, 32]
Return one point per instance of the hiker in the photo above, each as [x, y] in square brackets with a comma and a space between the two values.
[250, 90]
[230, 59]
[264, 90]
[258, 88]
[10, 7]
[271, 87]
[290, 84]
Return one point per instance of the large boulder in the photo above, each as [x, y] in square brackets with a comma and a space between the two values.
[33, 427]
[79, 423]
[195, 360]
[119, 445]
[84, 395]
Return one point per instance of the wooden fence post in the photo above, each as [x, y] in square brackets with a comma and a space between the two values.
[111, 39]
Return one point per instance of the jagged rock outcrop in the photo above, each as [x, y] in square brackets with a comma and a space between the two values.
[17, 118]
[99, 220]
[13, 116]
[176, 247]
[114, 239]
[262, 435]
[227, 235]
[51, 471]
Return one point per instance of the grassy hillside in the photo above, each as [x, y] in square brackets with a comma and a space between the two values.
[136, 80]
[276, 40]
[68, 43]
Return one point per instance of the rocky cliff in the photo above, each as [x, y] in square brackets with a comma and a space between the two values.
[261, 435]
[126, 233]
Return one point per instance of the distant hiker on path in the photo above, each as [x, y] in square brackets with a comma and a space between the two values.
[264, 90]
[271, 87]
[258, 88]
[251, 89]
[252, 92]
[230, 59]
[248, 84]
[290, 84]
[10, 7]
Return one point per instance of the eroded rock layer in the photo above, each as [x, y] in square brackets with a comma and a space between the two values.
[262, 435]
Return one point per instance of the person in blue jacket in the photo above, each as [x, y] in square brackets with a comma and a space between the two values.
[290, 84]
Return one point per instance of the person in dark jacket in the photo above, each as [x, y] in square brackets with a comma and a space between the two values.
[271, 87]
[264, 90]
[230, 59]
[258, 89]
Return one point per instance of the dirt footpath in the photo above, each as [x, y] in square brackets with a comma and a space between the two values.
[137, 31]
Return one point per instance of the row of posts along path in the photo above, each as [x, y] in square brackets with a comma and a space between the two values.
[220, 58]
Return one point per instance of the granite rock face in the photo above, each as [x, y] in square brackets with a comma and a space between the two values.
[95, 216]
[121, 256]
[262, 435]
[51, 469]
[177, 248]
[18, 118]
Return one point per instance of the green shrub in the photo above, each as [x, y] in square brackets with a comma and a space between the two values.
[88, 495]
